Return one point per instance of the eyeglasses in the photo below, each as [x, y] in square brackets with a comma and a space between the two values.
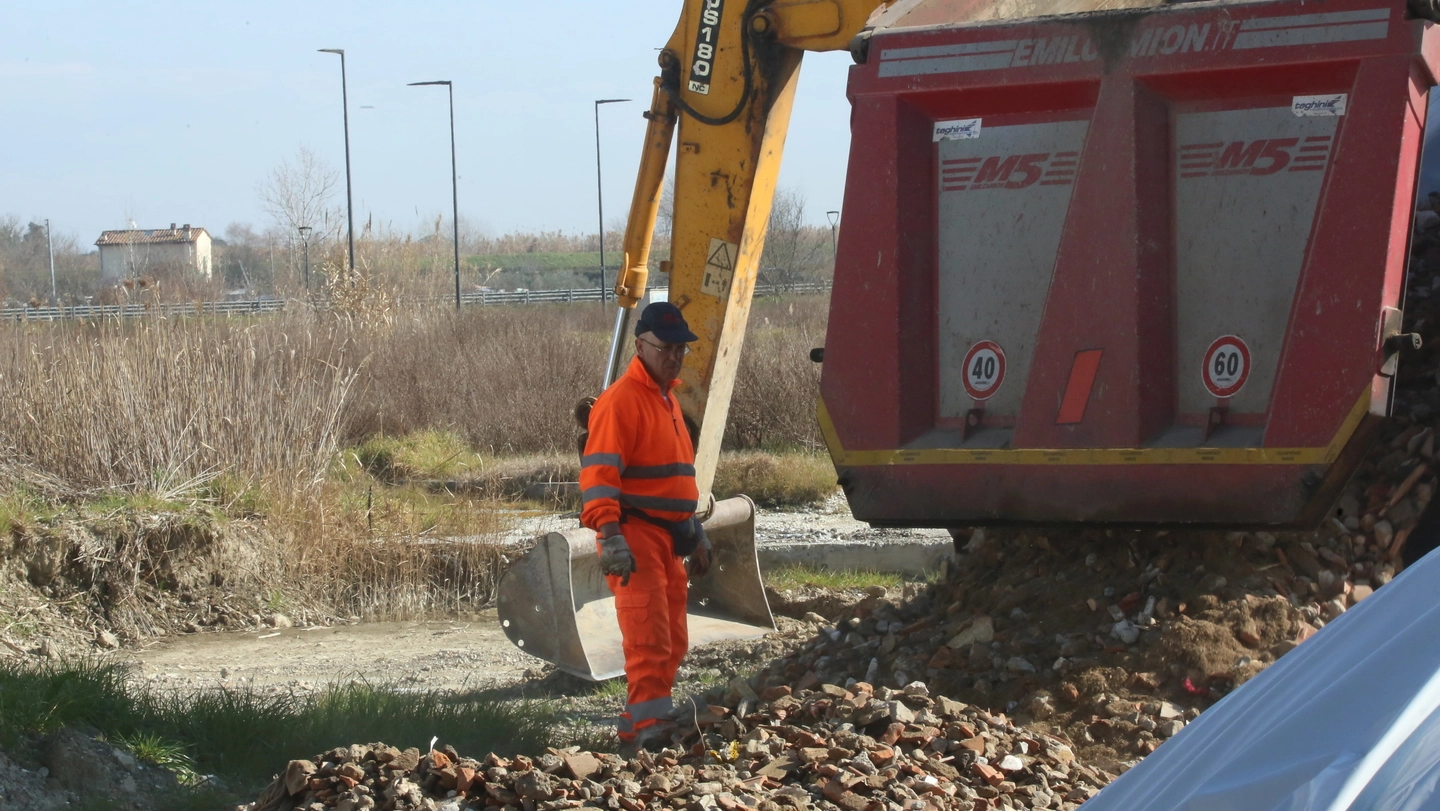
[668, 349]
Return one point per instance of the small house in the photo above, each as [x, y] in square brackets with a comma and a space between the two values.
[132, 253]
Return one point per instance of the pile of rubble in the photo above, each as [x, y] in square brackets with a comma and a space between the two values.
[1084, 636]
[862, 749]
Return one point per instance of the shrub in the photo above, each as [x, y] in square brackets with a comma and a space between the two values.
[788, 479]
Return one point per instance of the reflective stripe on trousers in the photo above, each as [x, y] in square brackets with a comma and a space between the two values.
[652, 710]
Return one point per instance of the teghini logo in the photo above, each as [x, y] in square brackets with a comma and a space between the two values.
[964, 129]
[1331, 105]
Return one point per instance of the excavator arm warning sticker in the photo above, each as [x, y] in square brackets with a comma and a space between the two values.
[707, 41]
[719, 268]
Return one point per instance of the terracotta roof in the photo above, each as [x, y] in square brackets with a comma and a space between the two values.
[151, 236]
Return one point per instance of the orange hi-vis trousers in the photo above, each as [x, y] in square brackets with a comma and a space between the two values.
[653, 628]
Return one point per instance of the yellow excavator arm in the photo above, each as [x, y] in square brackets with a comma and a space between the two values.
[727, 82]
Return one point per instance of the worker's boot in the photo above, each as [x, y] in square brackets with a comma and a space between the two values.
[653, 738]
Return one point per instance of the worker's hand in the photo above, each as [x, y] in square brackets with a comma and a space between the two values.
[699, 561]
[615, 558]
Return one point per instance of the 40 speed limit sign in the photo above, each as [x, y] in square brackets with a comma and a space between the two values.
[1227, 365]
[984, 369]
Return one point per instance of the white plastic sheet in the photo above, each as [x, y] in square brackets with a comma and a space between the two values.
[1348, 721]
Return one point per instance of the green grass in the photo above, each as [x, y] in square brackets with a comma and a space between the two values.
[243, 736]
[20, 509]
[144, 501]
[775, 479]
[790, 577]
[421, 455]
[611, 688]
[151, 749]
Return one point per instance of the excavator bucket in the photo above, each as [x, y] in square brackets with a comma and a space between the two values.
[554, 603]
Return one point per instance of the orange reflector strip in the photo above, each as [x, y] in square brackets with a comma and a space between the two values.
[1077, 391]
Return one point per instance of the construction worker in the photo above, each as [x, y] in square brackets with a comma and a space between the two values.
[637, 482]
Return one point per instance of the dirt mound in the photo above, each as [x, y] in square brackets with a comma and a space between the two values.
[72, 769]
[73, 584]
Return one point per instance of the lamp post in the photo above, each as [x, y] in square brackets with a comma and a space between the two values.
[349, 196]
[454, 182]
[305, 237]
[599, 191]
[834, 218]
[50, 249]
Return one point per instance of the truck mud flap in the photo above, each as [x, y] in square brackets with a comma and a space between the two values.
[554, 603]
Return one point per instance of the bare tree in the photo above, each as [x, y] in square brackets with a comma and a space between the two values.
[665, 217]
[794, 251]
[298, 192]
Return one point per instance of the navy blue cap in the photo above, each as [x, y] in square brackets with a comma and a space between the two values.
[664, 320]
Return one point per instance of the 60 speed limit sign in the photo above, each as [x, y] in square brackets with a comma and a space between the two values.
[984, 369]
[1227, 365]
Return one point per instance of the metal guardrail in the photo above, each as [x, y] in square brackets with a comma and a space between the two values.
[248, 307]
[594, 294]
[272, 305]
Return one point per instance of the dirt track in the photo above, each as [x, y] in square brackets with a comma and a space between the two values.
[421, 655]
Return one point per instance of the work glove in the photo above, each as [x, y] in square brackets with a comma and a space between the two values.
[615, 558]
[699, 561]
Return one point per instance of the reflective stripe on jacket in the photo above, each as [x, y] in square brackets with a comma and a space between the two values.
[638, 455]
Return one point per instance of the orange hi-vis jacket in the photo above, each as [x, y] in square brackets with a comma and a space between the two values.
[639, 454]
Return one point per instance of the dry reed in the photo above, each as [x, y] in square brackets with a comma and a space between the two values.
[507, 378]
[152, 405]
[161, 405]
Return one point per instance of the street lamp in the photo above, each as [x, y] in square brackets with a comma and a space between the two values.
[599, 193]
[305, 237]
[834, 218]
[349, 196]
[50, 249]
[454, 182]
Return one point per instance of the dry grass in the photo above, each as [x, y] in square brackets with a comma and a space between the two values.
[389, 553]
[778, 386]
[162, 406]
[505, 378]
[508, 378]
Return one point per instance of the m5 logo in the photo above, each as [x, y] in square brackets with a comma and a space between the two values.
[1008, 171]
[1265, 156]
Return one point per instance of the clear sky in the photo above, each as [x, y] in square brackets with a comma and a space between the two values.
[176, 112]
